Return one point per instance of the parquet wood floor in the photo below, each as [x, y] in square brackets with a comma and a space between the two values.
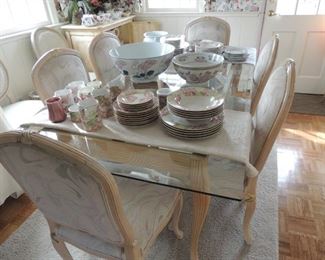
[301, 191]
[301, 187]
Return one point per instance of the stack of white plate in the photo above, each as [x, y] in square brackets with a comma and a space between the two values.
[235, 54]
[136, 107]
[193, 113]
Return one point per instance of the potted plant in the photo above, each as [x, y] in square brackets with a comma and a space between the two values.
[76, 10]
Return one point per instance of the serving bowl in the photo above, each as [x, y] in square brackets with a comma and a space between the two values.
[197, 67]
[209, 46]
[154, 36]
[143, 61]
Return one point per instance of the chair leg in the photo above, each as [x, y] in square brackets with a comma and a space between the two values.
[174, 223]
[58, 245]
[61, 248]
[250, 201]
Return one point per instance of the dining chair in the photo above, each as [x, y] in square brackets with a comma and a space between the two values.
[263, 69]
[270, 114]
[55, 69]
[207, 28]
[44, 39]
[18, 112]
[101, 60]
[84, 205]
[12, 114]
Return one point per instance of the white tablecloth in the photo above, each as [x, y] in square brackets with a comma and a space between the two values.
[232, 142]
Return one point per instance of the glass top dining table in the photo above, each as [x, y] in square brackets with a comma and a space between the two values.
[176, 168]
[150, 155]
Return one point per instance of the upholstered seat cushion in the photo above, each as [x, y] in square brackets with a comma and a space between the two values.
[145, 205]
[84, 240]
[21, 112]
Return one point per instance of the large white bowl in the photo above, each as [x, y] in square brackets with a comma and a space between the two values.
[143, 61]
[197, 67]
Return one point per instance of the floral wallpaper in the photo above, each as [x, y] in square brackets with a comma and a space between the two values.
[234, 5]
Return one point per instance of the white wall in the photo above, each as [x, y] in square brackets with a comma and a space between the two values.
[245, 27]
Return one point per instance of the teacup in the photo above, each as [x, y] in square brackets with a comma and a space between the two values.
[75, 86]
[74, 113]
[89, 113]
[85, 92]
[89, 20]
[102, 95]
[66, 97]
[162, 94]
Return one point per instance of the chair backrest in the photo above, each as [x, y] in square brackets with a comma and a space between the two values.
[70, 188]
[55, 69]
[263, 69]
[207, 28]
[100, 59]
[44, 39]
[271, 111]
[4, 80]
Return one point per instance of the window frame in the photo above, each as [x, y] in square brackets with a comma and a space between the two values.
[50, 19]
[296, 9]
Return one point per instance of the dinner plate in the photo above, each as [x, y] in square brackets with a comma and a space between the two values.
[193, 136]
[182, 124]
[192, 133]
[196, 115]
[144, 122]
[195, 99]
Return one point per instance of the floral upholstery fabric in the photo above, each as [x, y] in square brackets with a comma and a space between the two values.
[262, 65]
[268, 109]
[145, 206]
[103, 61]
[46, 40]
[66, 193]
[57, 72]
[71, 197]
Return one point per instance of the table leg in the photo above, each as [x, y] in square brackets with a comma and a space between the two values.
[201, 202]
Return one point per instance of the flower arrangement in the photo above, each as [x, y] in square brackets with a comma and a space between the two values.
[73, 10]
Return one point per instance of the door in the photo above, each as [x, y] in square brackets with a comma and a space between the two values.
[301, 26]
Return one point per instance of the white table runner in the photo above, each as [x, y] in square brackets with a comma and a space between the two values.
[232, 142]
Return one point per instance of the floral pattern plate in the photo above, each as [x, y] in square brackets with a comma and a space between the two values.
[195, 99]
[189, 126]
[135, 97]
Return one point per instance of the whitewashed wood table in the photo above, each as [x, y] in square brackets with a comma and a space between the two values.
[186, 165]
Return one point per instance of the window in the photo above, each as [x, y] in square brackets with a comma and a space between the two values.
[172, 5]
[20, 15]
[300, 7]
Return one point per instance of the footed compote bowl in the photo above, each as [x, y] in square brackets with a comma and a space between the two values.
[143, 61]
[197, 68]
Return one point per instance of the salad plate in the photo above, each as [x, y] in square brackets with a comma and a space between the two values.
[135, 99]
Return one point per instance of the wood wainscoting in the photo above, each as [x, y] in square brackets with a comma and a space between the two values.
[301, 191]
